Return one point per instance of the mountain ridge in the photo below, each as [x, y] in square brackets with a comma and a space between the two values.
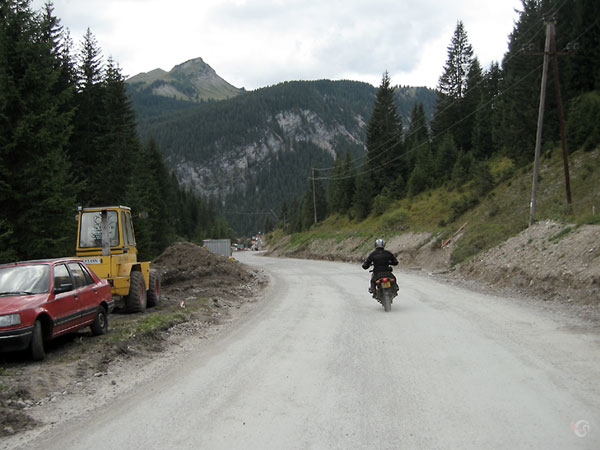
[257, 148]
[192, 80]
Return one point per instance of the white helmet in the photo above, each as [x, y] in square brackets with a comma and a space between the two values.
[379, 243]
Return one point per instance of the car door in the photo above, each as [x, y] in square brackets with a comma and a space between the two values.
[87, 291]
[64, 307]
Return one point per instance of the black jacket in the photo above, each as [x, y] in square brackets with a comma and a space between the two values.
[381, 260]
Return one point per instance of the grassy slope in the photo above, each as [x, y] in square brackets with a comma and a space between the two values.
[503, 213]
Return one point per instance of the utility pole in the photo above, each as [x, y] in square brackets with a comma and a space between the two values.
[561, 116]
[538, 138]
[314, 194]
[550, 49]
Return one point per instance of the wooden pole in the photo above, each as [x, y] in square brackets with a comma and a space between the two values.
[561, 117]
[540, 123]
[314, 194]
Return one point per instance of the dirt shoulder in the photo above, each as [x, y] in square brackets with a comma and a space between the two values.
[202, 295]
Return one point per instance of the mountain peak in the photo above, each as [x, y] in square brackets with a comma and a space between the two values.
[194, 66]
[193, 80]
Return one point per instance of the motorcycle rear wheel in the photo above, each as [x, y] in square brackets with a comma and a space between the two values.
[387, 300]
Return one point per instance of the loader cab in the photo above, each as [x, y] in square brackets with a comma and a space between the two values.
[106, 243]
[105, 231]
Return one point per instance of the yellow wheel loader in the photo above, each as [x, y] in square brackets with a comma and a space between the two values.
[105, 242]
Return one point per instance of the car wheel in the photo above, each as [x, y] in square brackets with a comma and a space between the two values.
[36, 347]
[100, 324]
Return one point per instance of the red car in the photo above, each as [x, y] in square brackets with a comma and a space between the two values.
[40, 300]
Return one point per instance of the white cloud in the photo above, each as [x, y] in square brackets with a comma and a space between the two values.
[263, 42]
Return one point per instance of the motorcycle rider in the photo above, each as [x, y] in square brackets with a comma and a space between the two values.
[381, 260]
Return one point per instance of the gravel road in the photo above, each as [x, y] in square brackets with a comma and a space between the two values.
[319, 364]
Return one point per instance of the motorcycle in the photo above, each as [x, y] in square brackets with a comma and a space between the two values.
[386, 289]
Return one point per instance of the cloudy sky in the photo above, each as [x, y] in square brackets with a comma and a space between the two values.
[256, 43]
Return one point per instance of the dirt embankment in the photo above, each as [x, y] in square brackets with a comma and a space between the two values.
[201, 292]
[549, 260]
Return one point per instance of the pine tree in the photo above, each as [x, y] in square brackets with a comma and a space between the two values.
[118, 142]
[284, 218]
[418, 130]
[444, 159]
[296, 215]
[342, 184]
[521, 83]
[348, 184]
[578, 25]
[471, 101]
[452, 86]
[89, 124]
[363, 198]
[37, 194]
[384, 138]
[485, 128]
[421, 177]
[54, 32]
[417, 140]
[163, 230]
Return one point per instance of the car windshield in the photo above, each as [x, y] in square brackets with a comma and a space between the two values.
[29, 279]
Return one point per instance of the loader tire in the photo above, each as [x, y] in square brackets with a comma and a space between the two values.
[153, 294]
[136, 300]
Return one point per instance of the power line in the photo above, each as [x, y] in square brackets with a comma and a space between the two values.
[450, 105]
[441, 133]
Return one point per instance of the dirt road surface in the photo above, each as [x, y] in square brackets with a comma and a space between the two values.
[319, 364]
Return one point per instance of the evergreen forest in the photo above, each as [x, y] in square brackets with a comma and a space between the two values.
[481, 115]
[68, 138]
[214, 134]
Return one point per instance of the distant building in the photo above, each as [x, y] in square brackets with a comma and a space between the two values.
[218, 246]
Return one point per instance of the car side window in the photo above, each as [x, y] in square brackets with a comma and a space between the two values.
[86, 274]
[61, 275]
[79, 279]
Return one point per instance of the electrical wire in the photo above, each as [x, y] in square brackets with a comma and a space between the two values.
[377, 154]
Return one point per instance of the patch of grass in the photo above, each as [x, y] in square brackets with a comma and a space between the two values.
[156, 322]
[591, 219]
[462, 205]
[426, 211]
[562, 233]
[477, 239]
[395, 220]
[502, 168]
[297, 240]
